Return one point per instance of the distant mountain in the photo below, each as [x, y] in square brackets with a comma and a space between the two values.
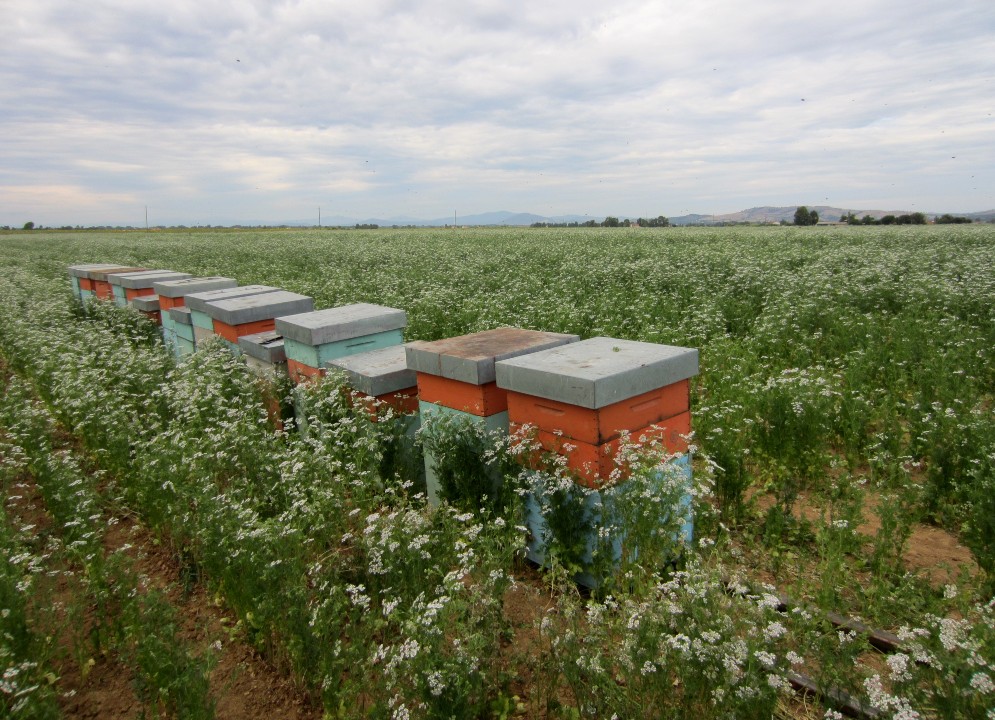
[506, 218]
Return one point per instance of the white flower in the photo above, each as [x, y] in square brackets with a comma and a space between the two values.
[982, 683]
[899, 665]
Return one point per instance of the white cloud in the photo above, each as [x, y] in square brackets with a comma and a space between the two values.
[223, 112]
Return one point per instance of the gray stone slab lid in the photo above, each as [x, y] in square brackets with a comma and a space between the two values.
[100, 274]
[181, 288]
[262, 306]
[597, 372]
[81, 271]
[147, 303]
[470, 358]
[144, 279]
[198, 300]
[265, 346]
[377, 372]
[180, 315]
[341, 323]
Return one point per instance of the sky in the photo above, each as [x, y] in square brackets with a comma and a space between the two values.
[208, 112]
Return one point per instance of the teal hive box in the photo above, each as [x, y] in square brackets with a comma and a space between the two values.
[315, 338]
[184, 347]
[181, 337]
[496, 424]
[317, 357]
[538, 500]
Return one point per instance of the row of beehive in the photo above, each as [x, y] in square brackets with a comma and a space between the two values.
[583, 397]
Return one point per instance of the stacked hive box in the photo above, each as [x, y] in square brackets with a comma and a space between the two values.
[148, 305]
[203, 324]
[312, 339]
[583, 398]
[182, 336]
[264, 353]
[172, 293]
[251, 314]
[456, 376]
[381, 375]
[82, 285]
[99, 285]
[125, 287]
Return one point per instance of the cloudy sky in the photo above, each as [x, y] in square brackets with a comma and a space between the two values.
[243, 112]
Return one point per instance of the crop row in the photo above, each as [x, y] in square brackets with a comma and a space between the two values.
[345, 577]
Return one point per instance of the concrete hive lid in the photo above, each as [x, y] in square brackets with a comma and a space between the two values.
[340, 323]
[181, 288]
[265, 346]
[180, 315]
[198, 300]
[470, 358]
[597, 372]
[147, 303]
[144, 279]
[261, 306]
[377, 372]
[100, 274]
[81, 271]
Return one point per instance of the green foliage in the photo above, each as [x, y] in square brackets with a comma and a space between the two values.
[862, 357]
[804, 216]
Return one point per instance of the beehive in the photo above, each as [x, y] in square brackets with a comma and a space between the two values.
[584, 400]
[457, 375]
[203, 324]
[183, 337]
[264, 353]
[125, 287]
[79, 281]
[382, 375]
[148, 305]
[587, 395]
[100, 287]
[312, 339]
[249, 314]
[172, 293]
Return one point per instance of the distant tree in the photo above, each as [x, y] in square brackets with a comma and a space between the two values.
[610, 222]
[659, 221]
[850, 219]
[948, 219]
[804, 216]
[29, 225]
[889, 220]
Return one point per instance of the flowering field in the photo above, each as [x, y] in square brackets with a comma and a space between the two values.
[845, 438]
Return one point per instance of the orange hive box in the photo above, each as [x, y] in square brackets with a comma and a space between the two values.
[232, 333]
[594, 463]
[582, 396]
[599, 425]
[482, 400]
[458, 372]
[299, 372]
